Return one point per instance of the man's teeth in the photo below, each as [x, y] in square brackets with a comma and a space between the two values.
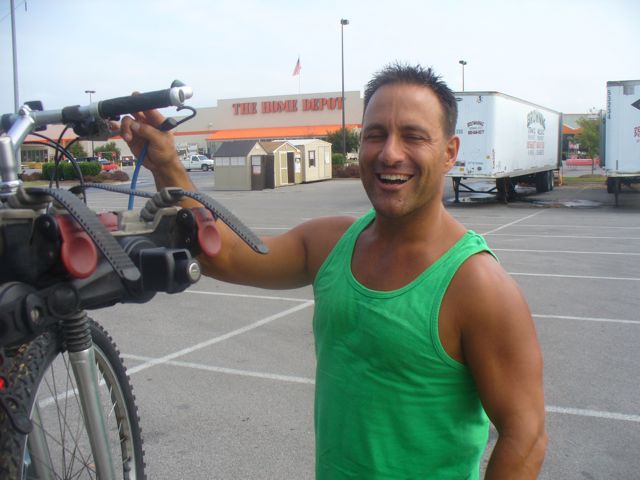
[395, 178]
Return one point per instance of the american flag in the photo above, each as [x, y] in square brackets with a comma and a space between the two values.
[298, 67]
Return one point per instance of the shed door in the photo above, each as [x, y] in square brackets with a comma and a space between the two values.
[291, 173]
[258, 172]
[269, 173]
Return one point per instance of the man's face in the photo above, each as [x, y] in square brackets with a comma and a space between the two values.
[405, 151]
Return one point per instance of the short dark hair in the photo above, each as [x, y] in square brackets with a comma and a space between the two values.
[417, 75]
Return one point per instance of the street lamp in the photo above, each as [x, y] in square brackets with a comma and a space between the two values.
[16, 102]
[91, 92]
[463, 63]
[343, 22]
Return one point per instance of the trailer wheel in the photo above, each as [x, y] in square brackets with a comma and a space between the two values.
[542, 182]
[506, 189]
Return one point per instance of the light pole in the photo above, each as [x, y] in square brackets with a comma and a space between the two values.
[16, 101]
[463, 63]
[91, 92]
[343, 22]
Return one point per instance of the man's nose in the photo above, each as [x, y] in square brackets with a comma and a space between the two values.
[392, 151]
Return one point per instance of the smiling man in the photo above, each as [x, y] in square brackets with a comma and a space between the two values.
[421, 337]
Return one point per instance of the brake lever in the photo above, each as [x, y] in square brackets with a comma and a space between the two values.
[171, 123]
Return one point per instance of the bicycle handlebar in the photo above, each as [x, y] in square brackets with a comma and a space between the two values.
[109, 109]
[56, 261]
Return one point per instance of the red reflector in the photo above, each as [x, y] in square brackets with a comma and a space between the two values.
[208, 235]
[2, 383]
[109, 220]
[78, 252]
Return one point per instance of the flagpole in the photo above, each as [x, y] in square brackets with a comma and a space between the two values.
[299, 75]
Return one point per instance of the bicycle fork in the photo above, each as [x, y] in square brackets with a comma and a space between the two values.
[82, 358]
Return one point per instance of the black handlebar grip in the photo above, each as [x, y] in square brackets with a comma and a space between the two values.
[115, 107]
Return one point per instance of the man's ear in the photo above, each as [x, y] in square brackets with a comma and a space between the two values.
[451, 152]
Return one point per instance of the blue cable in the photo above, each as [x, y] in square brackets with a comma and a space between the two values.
[134, 179]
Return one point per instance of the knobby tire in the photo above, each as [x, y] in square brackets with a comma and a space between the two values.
[41, 370]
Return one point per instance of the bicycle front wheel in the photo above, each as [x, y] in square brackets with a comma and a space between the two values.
[41, 378]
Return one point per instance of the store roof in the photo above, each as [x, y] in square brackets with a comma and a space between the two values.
[277, 132]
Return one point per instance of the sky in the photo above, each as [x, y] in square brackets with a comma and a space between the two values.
[558, 54]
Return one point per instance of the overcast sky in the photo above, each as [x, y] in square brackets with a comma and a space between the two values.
[558, 54]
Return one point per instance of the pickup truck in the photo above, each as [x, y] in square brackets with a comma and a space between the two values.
[198, 162]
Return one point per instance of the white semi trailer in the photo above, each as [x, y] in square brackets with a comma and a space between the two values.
[506, 140]
[622, 135]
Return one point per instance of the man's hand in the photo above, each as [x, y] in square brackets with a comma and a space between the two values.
[161, 157]
[142, 128]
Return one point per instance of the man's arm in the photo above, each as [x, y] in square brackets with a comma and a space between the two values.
[294, 257]
[500, 347]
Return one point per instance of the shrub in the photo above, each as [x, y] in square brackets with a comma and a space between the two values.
[31, 177]
[119, 176]
[346, 171]
[338, 159]
[91, 171]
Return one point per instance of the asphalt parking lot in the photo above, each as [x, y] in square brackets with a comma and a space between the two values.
[223, 374]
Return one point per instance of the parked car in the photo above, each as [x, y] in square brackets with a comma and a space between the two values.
[107, 165]
[127, 161]
[196, 161]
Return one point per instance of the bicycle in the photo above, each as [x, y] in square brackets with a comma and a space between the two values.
[67, 408]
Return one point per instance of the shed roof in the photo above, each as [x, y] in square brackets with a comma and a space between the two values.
[238, 148]
[271, 147]
[307, 141]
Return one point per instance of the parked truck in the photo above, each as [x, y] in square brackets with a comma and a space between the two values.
[197, 162]
[505, 140]
[622, 135]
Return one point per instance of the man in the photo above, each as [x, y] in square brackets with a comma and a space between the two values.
[418, 329]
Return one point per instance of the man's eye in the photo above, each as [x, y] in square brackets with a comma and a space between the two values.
[373, 136]
[414, 138]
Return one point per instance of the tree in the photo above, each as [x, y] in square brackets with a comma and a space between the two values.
[589, 136]
[77, 150]
[109, 151]
[335, 138]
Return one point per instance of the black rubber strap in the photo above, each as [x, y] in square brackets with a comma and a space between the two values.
[112, 188]
[87, 219]
[231, 220]
[218, 210]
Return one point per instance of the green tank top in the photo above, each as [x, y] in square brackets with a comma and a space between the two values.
[390, 402]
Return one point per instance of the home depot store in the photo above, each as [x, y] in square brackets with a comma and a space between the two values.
[286, 117]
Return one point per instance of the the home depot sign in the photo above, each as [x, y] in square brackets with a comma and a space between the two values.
[280, 106]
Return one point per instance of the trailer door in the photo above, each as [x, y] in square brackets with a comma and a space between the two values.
[473, 128]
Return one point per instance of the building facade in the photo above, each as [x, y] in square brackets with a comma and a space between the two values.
[302, 116]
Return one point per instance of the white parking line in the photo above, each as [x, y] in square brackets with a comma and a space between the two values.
[229, 371]
[311, 381]
[539, 225]
[587, 237]
[582, 277]
[490, 232]
[247, 295]
[586, 319]
[573, 252]
[593, 413]
[212, 341]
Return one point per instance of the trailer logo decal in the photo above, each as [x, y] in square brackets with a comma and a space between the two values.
[536, 125]
[476, 127]
[636, 104]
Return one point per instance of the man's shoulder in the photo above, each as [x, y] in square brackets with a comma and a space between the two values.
[485, 293]
[320, 236]
[482, 270]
